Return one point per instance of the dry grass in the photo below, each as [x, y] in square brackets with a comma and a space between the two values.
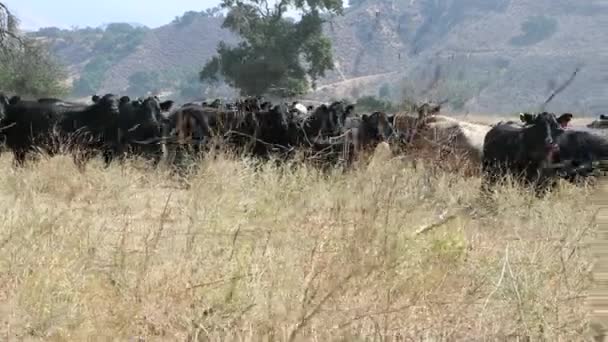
[286, 253]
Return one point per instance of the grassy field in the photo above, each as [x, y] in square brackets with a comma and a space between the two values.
[244, 252]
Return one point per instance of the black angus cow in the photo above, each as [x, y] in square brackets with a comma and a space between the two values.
[601, 123]
[323, 123]
[140, 124]
[369, 130]
[273, 131]
[189, 128]
[366, 132]
[28, 124]
[50, 123]
[563, 120]
[258, 130]
[578, 149]
[523, 152]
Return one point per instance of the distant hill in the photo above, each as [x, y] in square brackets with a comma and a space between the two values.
[483, 55]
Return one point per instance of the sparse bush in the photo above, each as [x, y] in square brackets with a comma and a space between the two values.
[31, 71]
[372, 104]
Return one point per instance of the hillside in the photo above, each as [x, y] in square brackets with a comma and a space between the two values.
[484, 55]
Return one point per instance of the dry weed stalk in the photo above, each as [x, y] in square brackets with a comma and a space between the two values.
[254, 251]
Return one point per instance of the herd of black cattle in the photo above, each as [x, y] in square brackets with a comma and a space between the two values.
[538, 150]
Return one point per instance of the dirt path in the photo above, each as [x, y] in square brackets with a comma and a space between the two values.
[355, 80]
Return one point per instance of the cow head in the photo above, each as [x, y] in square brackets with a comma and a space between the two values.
[14, 100]
[149, 113]
[377, 126]
[539, 136]
[108, 103]
[526, 118]
[125, 100]
[565, 119]
[273, 125]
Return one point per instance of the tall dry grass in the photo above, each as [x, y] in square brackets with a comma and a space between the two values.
[266, 252]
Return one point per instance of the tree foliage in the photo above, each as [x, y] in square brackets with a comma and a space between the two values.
[31, 71]
[26, 67]
[277, 55]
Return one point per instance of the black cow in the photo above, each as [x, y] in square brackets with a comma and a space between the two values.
[140, 124]
[563, 119]
[31, 124]
[274, 131]
[579, 149]
[326, 121]
[189, 126]
[523, 152]
[367, 131]
[370, 129]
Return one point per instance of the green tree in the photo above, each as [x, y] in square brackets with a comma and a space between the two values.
[277, 55]
[26, 67]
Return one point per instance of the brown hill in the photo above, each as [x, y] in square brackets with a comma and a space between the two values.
[483, 55]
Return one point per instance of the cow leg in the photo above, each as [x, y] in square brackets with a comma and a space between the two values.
[108, 157]
[19, 157]
[489, 178]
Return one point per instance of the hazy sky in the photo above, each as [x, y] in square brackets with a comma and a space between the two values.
[67, 13]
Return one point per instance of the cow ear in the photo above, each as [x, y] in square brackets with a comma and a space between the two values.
[125, 99]
[349, 109]
[13, 100]
[165, 106]
[522, 117]
[95, 98]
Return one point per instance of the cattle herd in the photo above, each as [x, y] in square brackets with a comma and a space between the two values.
[538, 150]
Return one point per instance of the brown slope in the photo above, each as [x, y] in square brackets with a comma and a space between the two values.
[170, 48]
[411, 38]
